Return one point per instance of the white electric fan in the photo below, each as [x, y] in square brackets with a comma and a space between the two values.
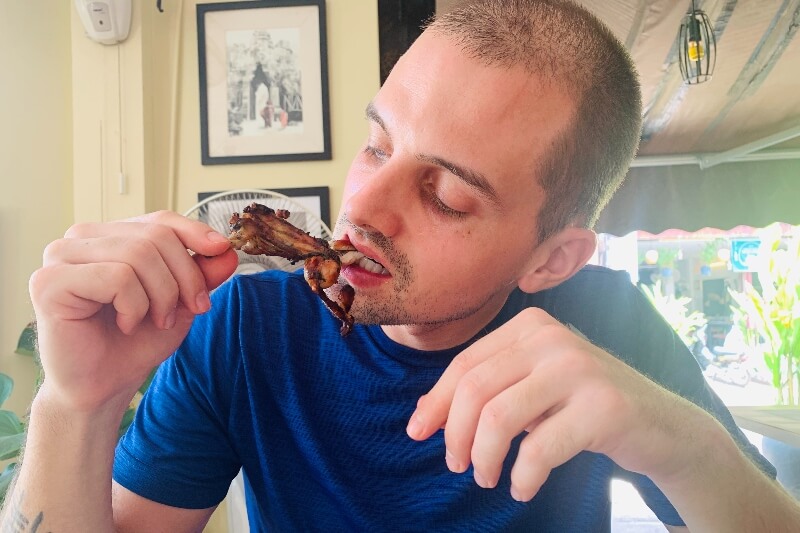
[216, 211]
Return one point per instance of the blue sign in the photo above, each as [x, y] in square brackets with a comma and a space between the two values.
[744, 253]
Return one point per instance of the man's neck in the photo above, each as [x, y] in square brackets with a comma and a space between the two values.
[444, 335]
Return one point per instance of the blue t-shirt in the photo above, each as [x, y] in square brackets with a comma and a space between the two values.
[264, 382]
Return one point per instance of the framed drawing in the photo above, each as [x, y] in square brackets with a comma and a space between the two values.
[263, 81]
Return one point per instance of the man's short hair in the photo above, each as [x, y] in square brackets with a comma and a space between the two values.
[563, 44]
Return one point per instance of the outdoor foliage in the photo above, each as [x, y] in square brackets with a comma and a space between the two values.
[774, 309]
[675, 311]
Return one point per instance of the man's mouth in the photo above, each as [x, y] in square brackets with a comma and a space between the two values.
[358, 259]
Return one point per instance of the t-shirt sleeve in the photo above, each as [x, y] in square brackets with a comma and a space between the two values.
[177, 451]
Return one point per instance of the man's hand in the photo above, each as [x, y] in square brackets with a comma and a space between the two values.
[114, 300]
[533, 374]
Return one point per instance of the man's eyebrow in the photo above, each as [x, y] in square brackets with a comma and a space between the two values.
[474, 179]
[372, 114]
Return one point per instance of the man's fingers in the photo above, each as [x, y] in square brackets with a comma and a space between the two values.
[432, 413]
[193, 234]
[218, 268]
[432, 409]
[517, 408]
[75, 292]
[163, 276]
[474, 393]
[155, 245]
[552, 443]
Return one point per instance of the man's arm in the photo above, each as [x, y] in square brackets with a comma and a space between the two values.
[133, 513]
[721, 489]
[513, 381]
[64, 483]
[112, 302]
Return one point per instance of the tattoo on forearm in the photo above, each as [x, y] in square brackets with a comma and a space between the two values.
[20, 523]
[37, 522]
[17, 522]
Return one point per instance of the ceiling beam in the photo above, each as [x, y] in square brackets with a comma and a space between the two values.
[753, 151]
[669, 160]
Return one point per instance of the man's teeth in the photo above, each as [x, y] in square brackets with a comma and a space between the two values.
[359, 259]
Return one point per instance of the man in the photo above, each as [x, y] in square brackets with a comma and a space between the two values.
[492, 146]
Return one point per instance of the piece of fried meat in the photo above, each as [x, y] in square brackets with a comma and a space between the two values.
[262, 230]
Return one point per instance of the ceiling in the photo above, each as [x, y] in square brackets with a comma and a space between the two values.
[754, 93]
[747, 114]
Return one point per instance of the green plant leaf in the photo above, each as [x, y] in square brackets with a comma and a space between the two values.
[6, 386]
[5, 480]
[127, 418]
[11, 445]
[147, 382]
[675, 311]
[26, 345]
[10, 424]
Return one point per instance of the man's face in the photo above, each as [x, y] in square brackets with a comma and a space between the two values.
[443, 193]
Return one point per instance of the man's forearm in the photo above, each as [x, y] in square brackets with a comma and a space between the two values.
[725, 491]
[64, 483]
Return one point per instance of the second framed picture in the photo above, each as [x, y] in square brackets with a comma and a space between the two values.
[263, 81]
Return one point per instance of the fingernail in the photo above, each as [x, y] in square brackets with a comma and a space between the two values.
[515, 494]
[452, 463]
[214, 236]
[170, 319]
[415, 426]
[481, 481]
[203, 302]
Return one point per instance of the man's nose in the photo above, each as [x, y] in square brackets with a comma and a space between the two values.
[378, 205]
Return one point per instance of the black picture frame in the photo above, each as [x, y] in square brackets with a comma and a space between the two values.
[316, 199]
[400, 23]
[263, 81]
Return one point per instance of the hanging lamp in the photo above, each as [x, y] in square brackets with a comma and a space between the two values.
[697, 47]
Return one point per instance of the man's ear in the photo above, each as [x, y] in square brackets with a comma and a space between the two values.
[558, 259]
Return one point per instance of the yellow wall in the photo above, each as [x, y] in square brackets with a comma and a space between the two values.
[134, 127]
[75, 114]
[35, 162]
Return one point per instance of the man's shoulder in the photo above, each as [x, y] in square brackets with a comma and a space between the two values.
[267, 287]
[600, 302]
[264, 302]
[590, 286]
[270, 278]
[595, 274]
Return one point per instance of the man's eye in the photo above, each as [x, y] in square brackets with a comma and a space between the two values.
[445, 209]
[375, 152]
